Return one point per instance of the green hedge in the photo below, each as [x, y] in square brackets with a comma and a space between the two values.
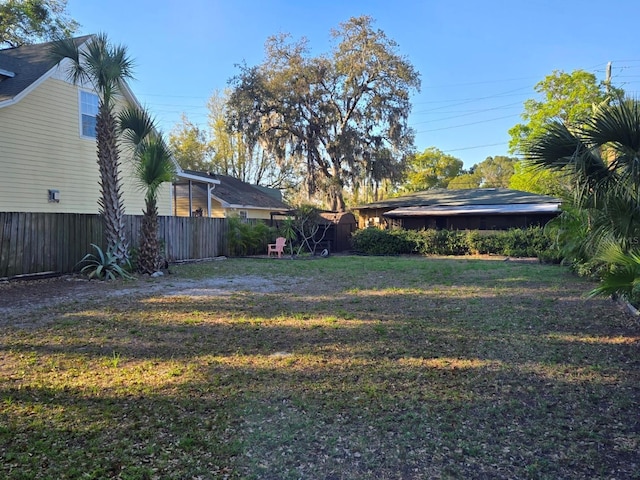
[516, 242]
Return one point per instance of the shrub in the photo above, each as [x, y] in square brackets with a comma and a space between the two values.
[247, 238]
[373, 241]
[515, 242]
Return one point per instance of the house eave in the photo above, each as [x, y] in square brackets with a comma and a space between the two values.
[197, 178]
[249, 207]
[7, 73]
[498, 209]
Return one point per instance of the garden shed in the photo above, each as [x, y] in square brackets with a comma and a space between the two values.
[342, 226]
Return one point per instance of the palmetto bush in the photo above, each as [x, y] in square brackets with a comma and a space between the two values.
[598, 232]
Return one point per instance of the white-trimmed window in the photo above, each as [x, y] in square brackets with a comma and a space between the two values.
[243, 215]
[88, 113]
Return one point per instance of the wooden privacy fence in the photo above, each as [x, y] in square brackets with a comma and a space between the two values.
[55, 242]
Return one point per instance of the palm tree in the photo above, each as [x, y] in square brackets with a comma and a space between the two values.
[153, 167]
[105, 67]
[602, 155]
[603, 158]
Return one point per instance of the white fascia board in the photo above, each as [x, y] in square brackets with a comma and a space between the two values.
[197, 178]
[252, 207]
[30, 88]
[237, 206]
[62, 66]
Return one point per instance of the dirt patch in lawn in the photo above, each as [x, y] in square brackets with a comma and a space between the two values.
[20, 298]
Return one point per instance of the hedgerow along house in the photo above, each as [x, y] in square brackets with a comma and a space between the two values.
[472, 209]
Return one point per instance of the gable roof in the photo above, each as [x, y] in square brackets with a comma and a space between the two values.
[29, 64]
[23, 68]
[475, 196]
[234, 193]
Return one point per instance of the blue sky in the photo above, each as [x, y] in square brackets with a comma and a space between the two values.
[478, 60]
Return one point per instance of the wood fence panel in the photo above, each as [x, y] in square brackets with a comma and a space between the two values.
[5, 220]
[55, 242]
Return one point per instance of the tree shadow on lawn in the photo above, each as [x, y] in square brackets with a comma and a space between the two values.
[282, 416]
[344, 382]
[510, 328]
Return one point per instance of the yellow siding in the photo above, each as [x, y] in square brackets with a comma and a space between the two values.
[41, 149]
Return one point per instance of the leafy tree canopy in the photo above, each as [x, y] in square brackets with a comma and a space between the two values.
[32, 21]
[493, 172]
[568, 97]
[219, 150]
[190, 146]
[529, 178]
[342, 117]
[431, 169]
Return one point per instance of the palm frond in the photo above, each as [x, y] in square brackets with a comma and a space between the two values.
[67, 48]
[617, 124]
[108, 65]
[135, 125]
[154, 165]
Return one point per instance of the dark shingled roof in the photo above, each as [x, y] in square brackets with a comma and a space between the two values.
[236, 192]
[476, 196]
[29, 63]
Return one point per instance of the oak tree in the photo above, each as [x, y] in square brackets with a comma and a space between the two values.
[342, 117]
[32, 21]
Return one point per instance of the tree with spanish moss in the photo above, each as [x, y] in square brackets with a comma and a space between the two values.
[342, 117]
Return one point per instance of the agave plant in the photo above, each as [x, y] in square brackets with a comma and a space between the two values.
[103, 265]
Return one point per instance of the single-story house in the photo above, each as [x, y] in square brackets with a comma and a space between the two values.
[469, 209]
[195, 195]
[48, 155]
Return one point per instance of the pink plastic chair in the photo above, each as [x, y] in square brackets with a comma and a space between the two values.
[277, 247]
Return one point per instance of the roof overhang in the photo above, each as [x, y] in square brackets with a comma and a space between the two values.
[197, 178]
[446, 210]
[246, 207]
[6, 73]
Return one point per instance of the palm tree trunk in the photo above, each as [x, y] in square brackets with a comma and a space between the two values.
[110, 202]
[149, 255]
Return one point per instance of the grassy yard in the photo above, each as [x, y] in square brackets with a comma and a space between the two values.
[338, 368]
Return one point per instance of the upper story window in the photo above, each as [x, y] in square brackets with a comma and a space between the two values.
[243, 215]
[88, 113]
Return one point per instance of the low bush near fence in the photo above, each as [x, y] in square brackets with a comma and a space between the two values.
[530, 242]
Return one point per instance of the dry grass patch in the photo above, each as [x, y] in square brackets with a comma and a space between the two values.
[358, 368]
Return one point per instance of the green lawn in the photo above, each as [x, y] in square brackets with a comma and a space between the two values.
[337, 368]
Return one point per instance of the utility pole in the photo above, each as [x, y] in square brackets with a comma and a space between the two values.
[607, 80]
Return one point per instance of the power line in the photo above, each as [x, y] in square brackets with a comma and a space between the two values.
[475, 147]
[467, 113]
[469, 124]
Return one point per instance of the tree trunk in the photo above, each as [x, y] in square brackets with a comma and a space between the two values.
[110, 204]
[149, 254]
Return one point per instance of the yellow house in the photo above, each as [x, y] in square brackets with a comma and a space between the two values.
[195, 195]
[48, 157]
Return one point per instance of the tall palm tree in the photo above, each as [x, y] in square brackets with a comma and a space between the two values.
[153, 167]
[105, 67]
